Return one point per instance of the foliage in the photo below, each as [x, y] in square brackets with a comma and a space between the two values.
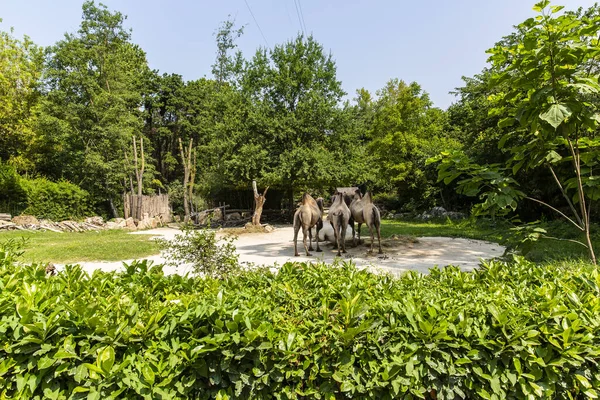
[549, 73]
[13, 198]
[403, 131]
[55, 200]
[94, 81]
[20, 71]
[206, 254]
[513, 330]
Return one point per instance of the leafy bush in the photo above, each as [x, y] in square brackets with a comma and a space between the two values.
[13, 198]
[55, 200]
[207, 255]
[310, 331]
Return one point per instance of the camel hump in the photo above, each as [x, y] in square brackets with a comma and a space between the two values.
[368, 198]
[307, 198]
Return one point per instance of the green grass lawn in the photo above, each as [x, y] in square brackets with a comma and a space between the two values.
[465, 229]
[70, 247]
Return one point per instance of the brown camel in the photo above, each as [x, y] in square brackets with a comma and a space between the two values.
[339, 215]
[365, 212]
[309, 214]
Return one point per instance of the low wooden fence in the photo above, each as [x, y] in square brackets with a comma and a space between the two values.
[155, 206]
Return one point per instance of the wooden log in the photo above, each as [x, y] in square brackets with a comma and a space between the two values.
[5, 217]
[49, 228]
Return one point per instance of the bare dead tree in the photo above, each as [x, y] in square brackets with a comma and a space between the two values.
[186, 159]
[259, 202]
[139, 173]
[192, 154]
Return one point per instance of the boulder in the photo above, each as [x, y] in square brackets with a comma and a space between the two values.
[235, 216]
[113, 225]
[130, 223]
[438, 212]
[97, 220]
[269, 228]
[25, 220]
[327, 234]
[217, 215]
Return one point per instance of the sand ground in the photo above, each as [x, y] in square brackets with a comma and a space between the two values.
[400, 253]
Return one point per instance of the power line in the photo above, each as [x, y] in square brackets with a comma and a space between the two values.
[302, 15]
[299, 18]
[255, 21]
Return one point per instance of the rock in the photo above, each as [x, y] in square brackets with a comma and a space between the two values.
[25, 220]
[97, 220]
[113, 225]
[456, 215]
[248, 225]
[268, 228]
[5, 217]
[202, 217]
[235, 216]
[217, 215]
[130, 223]
[438, 212]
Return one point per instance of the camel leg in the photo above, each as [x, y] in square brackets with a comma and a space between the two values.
[310, 248]
[372, 233]
[337, 238]
[359, 225]
[351, 223]
[379, 238]
[343, 238]
[305, 233]
[318, 248]
[296, 229]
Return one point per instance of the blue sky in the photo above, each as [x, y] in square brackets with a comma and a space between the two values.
[432, 42]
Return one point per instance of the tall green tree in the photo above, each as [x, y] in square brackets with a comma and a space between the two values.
[20, 72]
[94, 84]
[296, 129]
[549, 69]
[405, 131]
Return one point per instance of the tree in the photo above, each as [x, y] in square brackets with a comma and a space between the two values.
[20, 72]
[293, 135]
[94, 94]
[405, 131]
[549, 68]
[259, 202]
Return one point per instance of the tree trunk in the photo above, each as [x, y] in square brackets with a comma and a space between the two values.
[113, 209]
[291, 203]
[139, 173]
[192, 178]
[186, 160]
[259, 202]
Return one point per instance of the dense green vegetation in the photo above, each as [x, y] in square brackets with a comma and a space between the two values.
[515, 330]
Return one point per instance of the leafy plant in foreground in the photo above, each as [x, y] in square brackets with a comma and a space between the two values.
[207, 254]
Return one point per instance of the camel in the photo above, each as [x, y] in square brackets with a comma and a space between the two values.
[365, 212]
[309, 214]
[339, 215]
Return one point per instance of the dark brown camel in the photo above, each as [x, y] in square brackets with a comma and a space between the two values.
[365, 212]
[309, 214]
[339, 215]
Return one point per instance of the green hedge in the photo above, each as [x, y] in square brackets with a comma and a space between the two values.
[311, 331]
[13, 198]
[55, 200]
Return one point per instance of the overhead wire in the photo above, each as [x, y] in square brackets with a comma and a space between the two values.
[299, 18]
[257, 24]
[302, 16]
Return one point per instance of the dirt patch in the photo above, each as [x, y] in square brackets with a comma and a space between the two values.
[400, 253]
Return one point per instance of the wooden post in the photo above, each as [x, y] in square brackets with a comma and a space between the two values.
[259, 202]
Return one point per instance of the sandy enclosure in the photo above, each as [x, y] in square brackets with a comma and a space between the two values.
[400, 253]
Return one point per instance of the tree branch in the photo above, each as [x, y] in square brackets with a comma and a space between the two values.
[558, 211]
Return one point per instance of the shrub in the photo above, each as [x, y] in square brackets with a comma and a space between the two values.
[13, 198]
[207, 255]
[55, 200]
[310, 331]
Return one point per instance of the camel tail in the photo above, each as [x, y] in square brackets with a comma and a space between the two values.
[376, 217]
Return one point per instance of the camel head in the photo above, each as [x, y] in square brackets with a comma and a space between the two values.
[320, 202]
